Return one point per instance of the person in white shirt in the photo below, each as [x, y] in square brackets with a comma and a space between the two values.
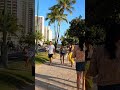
[51, 51]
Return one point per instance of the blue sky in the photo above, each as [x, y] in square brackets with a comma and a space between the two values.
[45, 4]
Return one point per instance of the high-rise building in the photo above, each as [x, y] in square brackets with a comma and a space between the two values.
[24, 11]
[11, 9]
[26, 15]
[11, 6]
[47, 33]
[39, 24]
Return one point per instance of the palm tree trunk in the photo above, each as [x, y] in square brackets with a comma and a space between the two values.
[55, 35]
[58, 33]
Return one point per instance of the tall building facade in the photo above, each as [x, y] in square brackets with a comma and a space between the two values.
[39, 24]
[47, 33]
[50, 35]
[11, 6]
[24, 11]
[26, 15]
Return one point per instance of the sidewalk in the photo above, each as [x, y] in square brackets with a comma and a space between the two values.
[55, 77]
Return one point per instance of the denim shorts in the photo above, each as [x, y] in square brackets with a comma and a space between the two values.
[80, 66]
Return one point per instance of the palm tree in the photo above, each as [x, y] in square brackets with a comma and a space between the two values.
[56, 16]
[60, 18]
[8, 24]
[66, 5]
[52, 19]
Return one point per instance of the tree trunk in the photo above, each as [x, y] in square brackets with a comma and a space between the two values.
[55, 37]
[4, 54]
[58, 33]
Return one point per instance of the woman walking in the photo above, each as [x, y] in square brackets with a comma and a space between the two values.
[79, 56]
[71, 60]
[62, 54]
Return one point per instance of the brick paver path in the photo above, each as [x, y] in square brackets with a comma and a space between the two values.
[55, 77]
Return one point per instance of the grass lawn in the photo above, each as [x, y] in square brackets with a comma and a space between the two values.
[41, 57]
[16, 76]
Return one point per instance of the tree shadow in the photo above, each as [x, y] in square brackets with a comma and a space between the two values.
[12, 80]
[20, 76]
[46, 77]
[65, 66]
[46, 86]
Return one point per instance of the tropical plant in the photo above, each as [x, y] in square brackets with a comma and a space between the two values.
[56, 17]
[60, 18]
[66, 5]
[8, 24]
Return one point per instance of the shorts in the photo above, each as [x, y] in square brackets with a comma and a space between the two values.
[80, 66]
[62, 54]
[50, 55]
[109, 87]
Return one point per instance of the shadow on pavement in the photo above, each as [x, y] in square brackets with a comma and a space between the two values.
[50, 78]
[65, 66]
[46, 86]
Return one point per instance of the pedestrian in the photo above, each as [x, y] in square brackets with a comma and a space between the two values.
[51, 51]
[79, 57]
[62, 54]
[105, 63]
[70, 57]
[26, 56]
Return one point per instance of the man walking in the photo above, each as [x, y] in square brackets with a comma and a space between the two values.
[51, 51]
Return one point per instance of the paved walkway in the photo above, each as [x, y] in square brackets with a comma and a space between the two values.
[55, 77]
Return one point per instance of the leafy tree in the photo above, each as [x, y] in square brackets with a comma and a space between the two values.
[8, 24]
[66, 39]
[96, 35]
[77, 28]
